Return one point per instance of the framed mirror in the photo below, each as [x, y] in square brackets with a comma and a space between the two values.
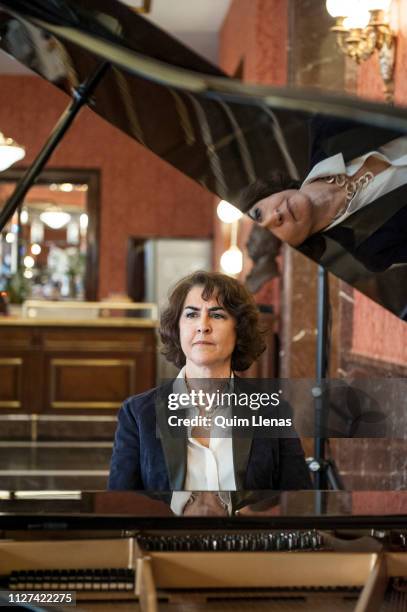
[49, 249]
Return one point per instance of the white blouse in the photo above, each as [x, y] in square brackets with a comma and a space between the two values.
[393, 152]
[208, 469]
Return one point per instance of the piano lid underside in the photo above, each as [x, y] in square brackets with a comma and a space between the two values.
[221, 140]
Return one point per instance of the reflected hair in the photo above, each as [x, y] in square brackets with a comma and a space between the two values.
[264, 187]
[234, 298]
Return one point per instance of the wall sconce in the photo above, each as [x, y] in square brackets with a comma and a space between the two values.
[231, 260]
[139, 6]
[362, 27]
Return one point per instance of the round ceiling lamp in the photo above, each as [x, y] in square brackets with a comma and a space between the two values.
[232, 261]
[10, 152]
[55, 218]
[227, 212]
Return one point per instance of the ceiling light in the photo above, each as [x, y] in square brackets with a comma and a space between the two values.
[55, 218]
[28, 273]
[35, 249]
[10, 237]
[29, 261]
[83, 221]
[232, 260]
[67, 187]
[24, 216]
[10, 152]
[227, 212]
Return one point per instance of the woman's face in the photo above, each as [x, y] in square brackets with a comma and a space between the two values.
[288, 214]
[207, 331]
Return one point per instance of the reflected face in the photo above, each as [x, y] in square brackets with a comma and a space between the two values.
[207, 331]
[288, 214]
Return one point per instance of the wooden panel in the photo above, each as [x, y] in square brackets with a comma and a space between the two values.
[99, 340]
[103, 366]
[78, 554]
[17, 338]
[90, 383]
[10, 382]
[282, 569]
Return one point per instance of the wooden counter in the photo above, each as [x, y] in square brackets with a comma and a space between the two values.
[74, 366]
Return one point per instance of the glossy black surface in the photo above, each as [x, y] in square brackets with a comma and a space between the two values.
[222, 133]
[268, 509]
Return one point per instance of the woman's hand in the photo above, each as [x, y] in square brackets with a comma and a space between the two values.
[205, 504]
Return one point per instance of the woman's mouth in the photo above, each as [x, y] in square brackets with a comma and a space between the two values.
[290, 210]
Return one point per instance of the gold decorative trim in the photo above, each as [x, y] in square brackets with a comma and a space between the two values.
[102, 322]
[55, 363]
[144, 8]
[93, 346]
[12, 361]
[10, 404]
[91, 362]
[86, 405]
[30, 308]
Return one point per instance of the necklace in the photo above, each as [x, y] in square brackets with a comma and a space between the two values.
[352, 187]
[207, 413]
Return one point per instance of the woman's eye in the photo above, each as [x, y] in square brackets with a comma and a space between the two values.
[216, 315]
[190, 315]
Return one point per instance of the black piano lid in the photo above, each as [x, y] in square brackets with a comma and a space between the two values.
[220, 132]
[97, 510]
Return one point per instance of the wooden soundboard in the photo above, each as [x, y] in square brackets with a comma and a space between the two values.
[116, 569]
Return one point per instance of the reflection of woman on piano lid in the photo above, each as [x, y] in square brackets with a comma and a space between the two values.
[359, 200]
[209, 329]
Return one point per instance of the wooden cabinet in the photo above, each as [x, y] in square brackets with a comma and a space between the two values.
[74, 368]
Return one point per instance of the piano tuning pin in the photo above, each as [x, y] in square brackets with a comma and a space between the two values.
[290, 541]
[246, 541]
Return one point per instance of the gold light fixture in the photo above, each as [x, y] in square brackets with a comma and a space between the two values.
[362, 27]
[139, 6]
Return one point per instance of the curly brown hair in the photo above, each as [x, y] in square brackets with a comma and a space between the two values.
[238, 302]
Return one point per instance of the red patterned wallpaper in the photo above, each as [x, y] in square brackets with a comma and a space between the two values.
[140, 194]
[376, 332]
[255, 32]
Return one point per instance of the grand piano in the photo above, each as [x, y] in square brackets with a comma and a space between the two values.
[294, 550]
[221, 132]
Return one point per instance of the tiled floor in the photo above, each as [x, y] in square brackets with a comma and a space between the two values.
[54, 465]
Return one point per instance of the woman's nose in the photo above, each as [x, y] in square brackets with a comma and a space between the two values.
[276, 218]
[204, 325]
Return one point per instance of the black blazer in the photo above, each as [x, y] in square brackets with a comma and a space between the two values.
[377, 234]
[148, 455]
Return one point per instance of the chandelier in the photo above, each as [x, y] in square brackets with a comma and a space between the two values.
[55, 218]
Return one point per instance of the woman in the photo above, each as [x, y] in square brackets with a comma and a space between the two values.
[338, 187]
[210, 330]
